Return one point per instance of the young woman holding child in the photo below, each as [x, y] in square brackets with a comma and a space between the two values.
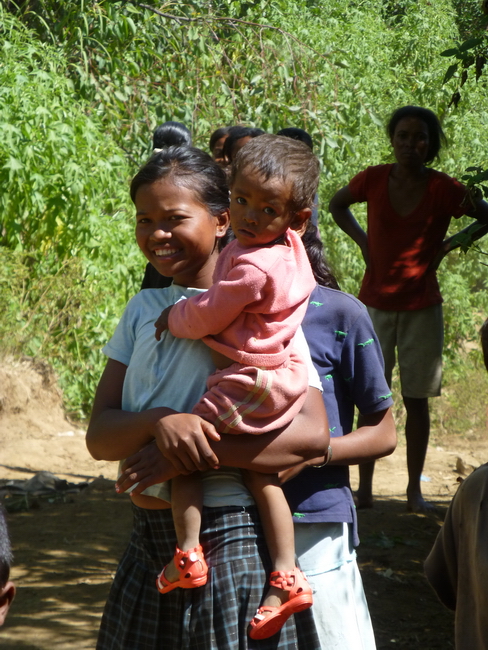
[181, 199]
[348, 358]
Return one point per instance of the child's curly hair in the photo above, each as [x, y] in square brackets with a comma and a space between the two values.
[276, 156]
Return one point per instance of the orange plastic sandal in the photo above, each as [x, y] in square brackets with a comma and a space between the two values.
[263, 626]
[192, 568]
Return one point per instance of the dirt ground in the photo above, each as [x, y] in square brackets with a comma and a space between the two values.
[66, 548]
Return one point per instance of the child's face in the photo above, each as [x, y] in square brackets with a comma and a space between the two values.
[260, 210]
[177, 233]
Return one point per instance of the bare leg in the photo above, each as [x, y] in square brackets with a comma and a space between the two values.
[363, 498]
[186, 504]
[417, 432]
[277, 525]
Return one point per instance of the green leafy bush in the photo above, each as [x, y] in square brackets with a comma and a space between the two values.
[83, 84]
[65, 225]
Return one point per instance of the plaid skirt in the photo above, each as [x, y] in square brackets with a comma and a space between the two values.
[213, 617]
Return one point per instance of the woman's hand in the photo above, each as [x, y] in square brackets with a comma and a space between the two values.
[183, 439]
[365, 252]
[146, 467]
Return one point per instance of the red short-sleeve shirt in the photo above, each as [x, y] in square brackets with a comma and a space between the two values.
[402, 248]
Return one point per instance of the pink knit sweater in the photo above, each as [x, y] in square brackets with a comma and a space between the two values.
[254, 308]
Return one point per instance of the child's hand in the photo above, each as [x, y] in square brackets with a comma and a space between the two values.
[182, 439]
[162, 323]
[146, 467]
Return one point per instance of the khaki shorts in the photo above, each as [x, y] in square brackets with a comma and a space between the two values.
[418, 337]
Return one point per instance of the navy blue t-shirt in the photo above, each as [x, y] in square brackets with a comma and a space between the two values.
[347, 355]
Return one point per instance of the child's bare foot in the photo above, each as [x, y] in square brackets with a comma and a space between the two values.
[171, 573]
[363, 499]
[275, 597]
[187, 570]
[289, 593]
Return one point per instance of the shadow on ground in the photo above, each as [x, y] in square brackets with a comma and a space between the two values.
[394, 543]
[66, 554]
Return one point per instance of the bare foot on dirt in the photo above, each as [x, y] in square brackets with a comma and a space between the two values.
[363, 499]
[417, 503]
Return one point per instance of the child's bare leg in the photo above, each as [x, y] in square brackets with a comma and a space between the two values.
[277, 525]
[186, 504]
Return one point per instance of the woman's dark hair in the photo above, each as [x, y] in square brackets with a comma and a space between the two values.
[297, 134]
[235, 134]
[171, 134]
[436, 134]
[216, 135]
[191, 168]
[315, 251]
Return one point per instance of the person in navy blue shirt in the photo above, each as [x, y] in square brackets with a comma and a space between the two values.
[348, 358]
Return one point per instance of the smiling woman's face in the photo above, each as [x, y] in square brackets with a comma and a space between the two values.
[177, 233]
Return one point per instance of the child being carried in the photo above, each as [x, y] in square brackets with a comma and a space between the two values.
[249, 319]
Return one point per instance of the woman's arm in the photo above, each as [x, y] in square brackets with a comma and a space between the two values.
[467, 236]
[374, 438]
[306, 439]
[342, 215]
[114, 434]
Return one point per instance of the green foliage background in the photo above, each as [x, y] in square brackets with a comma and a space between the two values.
[83, 85]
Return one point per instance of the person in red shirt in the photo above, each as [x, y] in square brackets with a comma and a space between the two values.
[409, 208]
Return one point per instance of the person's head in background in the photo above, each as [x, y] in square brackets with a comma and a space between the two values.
[171, 134]
[237, 137]
[216, 144]
[7, 587]
[422, 116]
[297, 134]
[484, 342]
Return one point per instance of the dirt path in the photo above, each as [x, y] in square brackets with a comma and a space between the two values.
[66, 550]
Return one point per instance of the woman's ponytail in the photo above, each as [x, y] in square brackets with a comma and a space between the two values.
[315, 251]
